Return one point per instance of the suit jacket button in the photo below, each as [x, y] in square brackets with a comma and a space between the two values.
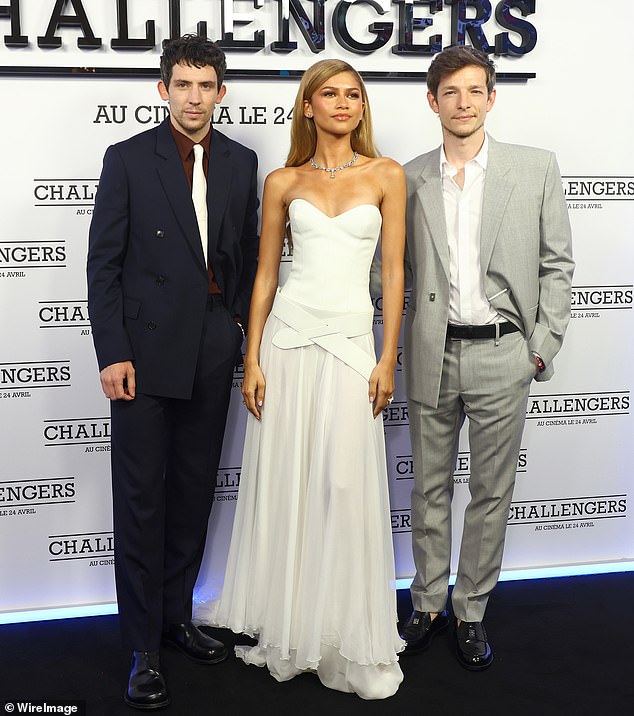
[151, 325]
[160, 280]
[432, 296]
[160, 234]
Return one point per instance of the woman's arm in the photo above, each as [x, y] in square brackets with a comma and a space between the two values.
[392, 253]
[265, 286]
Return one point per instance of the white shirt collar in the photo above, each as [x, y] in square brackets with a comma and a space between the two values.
[481, 158]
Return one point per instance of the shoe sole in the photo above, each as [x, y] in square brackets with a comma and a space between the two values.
[420, 649]
[145, 707]
[176, 645]
[473, 667]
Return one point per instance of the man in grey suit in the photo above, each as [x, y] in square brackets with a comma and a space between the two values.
[489, 248]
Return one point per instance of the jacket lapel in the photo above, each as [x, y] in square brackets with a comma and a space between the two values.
[498, 186]
[176, 187]
[218, 186]
[433, 209]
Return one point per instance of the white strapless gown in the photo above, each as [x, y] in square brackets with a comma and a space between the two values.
[310, 571]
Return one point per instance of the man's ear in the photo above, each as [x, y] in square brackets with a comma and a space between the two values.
[491, 100]
[162, 90]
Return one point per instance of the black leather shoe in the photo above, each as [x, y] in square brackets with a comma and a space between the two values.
[196, 645]
[472, 647]
[146, 687]
[420, 629]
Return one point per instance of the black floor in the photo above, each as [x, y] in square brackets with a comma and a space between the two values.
[562, 647]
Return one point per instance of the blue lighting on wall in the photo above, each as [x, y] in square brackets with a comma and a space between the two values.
[572, 570]
[98, 610]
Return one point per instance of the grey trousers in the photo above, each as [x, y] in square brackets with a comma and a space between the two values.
[488, 384]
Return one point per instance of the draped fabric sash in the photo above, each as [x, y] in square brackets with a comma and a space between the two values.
[307, 326]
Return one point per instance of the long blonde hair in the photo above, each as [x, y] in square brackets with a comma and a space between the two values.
[303, 132]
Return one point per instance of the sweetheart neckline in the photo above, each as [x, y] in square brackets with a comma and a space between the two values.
[336, 216]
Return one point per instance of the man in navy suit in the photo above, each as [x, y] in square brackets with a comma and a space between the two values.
[168, 325]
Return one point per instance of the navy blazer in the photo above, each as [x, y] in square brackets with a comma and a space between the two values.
[147, 279]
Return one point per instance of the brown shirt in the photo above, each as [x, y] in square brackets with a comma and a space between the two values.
[185, 148]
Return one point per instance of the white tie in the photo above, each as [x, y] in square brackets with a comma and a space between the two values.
[199, 196]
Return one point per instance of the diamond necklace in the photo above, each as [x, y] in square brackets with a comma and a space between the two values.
[332, 170]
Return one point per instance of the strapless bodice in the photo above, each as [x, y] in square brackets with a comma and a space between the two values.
[332, 256]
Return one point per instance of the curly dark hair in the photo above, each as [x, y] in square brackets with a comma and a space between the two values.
[192, 50]
[455, 58]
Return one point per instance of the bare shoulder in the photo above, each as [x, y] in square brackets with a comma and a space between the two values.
[279, 181]
[279, 177]
[390, 177]
[387, 169]
[389, 173]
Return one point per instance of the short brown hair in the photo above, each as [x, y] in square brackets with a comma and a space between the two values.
[455, 58]
[193, 50]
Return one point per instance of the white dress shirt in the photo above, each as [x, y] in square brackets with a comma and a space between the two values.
[468, 303]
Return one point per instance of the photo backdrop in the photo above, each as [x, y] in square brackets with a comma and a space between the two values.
[77, 76]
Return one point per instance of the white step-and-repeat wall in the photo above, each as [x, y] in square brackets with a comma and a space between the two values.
[79, 75]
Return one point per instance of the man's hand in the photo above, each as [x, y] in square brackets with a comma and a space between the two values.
[118, 382]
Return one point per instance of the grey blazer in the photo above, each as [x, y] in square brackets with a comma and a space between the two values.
[526, 257]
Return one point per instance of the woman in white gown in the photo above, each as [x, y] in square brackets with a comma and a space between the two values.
[310, 570]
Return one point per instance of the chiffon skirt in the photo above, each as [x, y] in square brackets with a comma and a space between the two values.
[310, 571]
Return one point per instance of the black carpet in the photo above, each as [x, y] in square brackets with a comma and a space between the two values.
[563, 647]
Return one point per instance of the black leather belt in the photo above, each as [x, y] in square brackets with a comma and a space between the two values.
[479, 332]
[213, 298]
